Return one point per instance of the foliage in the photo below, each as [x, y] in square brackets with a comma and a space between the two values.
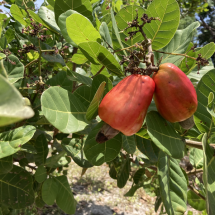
[56, 64]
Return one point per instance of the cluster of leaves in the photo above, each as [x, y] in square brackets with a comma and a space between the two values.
[50, 93]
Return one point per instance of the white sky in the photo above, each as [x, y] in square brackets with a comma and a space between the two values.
[38, 3]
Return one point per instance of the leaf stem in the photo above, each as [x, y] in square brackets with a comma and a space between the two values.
[39, 59]
[34, 61]
[98, 72]
[196, 192]
[184, 55]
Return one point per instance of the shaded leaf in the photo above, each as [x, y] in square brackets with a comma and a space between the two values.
[61, 80]
[196, 158]
[6, 164]
[173, 185]
[12, 72]
[74, 148]
[97, 54]
[148, 148]
[178, 45]
[63, 110]
[195, 201]
[11, 141]
[97, 153]
[92, 110]
[40, 174]
[17, 186]
[208, 174]
[82, 6]
[74, 76]
[129, 144]
[123, 173]
[41, 145]
[164, 135]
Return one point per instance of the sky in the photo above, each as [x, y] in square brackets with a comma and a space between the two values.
[38, 3]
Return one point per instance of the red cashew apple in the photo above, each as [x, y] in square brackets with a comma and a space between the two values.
[125, 106]
[175, 96]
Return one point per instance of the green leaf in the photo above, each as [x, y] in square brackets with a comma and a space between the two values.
[125, 15]
[105, 34]
[178, 45]
[161, 32]
[57, 160]
[17, 14]
[96, 68]
[83, 93]
[82, 6]
[80, 29]
[6, 164]
[40, 174]
[10, 34]
[139, 175]
[115, 36]
[65, 199]
[36, 18]
[63, 110]
[12, 108]
[195, 201]
[98, 54]
[208, 174]
[164, 136]
[123, 173]
[195, 75]
[173, 185]
[97, 80]
[17, 186]
[196, 158]
[79, 59]
[41, 145]
[11, 141]
[49, 191]
[48, 17]
[133, 189]
[92, 110]
[49, 56]
[13, 72]
[206, 52]
[74, 76]
[202, 116]
[62, 24]
[148, 148]
[97, 153]
[74, 148]
[61, 80]
[128, 144]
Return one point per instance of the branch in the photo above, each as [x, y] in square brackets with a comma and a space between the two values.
[184, 55]
[196, 192]
[196, 144]
[98, 72]
[193, 172]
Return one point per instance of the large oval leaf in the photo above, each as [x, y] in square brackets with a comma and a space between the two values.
[164, 135]
[12, 107]
[161, 32]
[11, 141]
[81, 6]
[98, 54]
[17, 186]
[62, 24]
[98, 153]
[80, 29]
[74, 148]
[173, 185]
[63, 110]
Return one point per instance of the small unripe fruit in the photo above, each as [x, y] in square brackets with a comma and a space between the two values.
[175, 96]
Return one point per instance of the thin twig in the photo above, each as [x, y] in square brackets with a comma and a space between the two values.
[194, 171]
[98, 72]
[196, 192]
[184, 55]
[34, 61]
